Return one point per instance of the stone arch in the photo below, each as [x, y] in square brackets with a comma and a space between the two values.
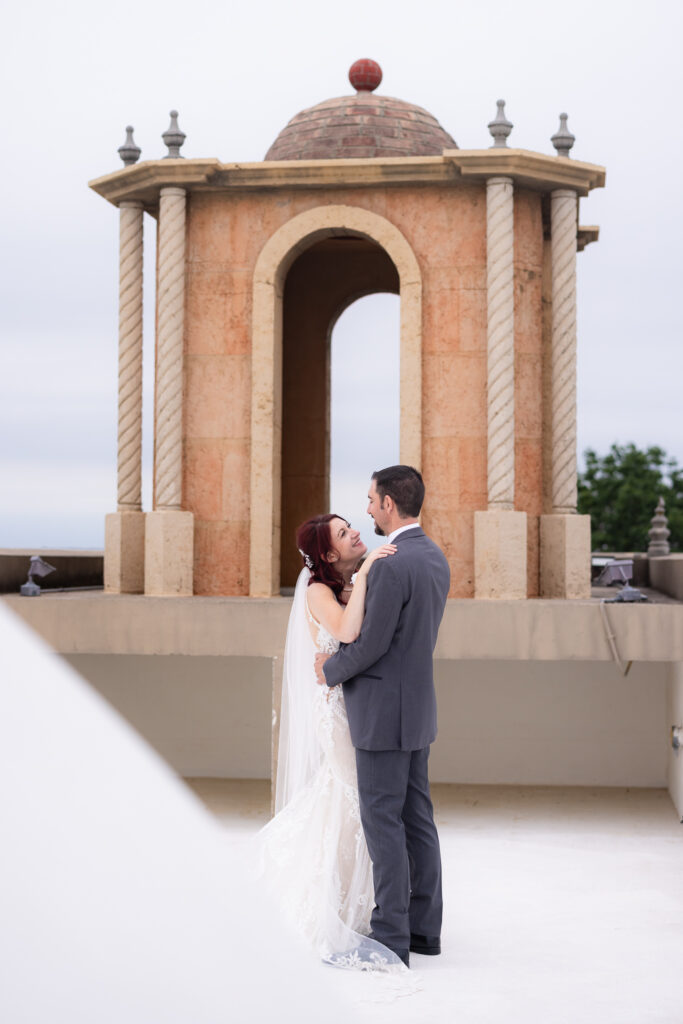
[270, 273]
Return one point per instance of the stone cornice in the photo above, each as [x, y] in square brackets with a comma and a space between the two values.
[144, 181]
[586, 234]
[534, 170]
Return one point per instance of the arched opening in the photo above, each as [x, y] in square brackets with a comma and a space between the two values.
[364, 404]
[322, 282]
[291, 240]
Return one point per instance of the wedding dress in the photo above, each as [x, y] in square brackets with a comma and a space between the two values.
[313, 855]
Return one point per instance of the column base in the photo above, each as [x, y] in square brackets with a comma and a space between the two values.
[565, 556]
[124, 553]
[500, 544]
[169, 553]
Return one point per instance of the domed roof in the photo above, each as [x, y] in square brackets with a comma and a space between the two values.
[363, 125]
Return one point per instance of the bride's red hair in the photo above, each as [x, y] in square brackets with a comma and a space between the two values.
[313, 539]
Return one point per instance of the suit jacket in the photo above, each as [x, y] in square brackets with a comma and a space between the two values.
[388, 672]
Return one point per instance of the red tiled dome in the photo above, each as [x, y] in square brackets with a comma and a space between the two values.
[363, 125]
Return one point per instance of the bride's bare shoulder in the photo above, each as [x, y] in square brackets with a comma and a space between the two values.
[319, 588]
[319, 594]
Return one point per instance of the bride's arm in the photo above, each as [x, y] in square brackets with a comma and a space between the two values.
[344, 622]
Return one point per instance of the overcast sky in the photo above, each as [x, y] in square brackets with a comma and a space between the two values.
[75, 74]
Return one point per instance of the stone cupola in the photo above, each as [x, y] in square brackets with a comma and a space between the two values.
[364, 125]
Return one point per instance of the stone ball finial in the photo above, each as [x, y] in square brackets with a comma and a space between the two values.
[563, 140]
[365, 75]
[129, 152]
[173, 138]
[500, 127]
[659, 532]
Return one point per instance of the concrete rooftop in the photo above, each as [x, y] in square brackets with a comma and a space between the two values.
[561, 906]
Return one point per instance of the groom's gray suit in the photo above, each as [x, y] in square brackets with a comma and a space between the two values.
[391, 705]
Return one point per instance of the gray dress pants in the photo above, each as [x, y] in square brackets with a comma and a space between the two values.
[398, 821]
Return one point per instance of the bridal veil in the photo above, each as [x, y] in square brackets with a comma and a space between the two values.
[299, 750]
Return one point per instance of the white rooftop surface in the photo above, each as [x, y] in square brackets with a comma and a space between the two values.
[561, 905]
[123, 900]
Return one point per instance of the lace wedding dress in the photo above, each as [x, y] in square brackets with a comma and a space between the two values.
[313, 854]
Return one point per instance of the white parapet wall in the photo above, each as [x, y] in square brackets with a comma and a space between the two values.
[500, 722]
[528, 691]
[209, 717]
[551, 723]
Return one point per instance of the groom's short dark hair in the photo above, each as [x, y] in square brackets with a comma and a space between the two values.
[405, 487]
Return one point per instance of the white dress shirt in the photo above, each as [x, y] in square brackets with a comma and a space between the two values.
[392, 536]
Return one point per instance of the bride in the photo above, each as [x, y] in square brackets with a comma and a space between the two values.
[313, 854]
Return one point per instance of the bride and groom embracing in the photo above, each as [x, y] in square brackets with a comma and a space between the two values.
[352, 854]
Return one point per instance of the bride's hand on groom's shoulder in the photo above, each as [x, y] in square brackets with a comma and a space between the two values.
[381, 552]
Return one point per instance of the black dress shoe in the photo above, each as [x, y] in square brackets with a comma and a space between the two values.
[425, 944]
[404, 956]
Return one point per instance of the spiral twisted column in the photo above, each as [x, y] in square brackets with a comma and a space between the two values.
[129, 476]
[501, 355]
[169, 531]
[169, 370]
[565, 537]
[563, 214]
[500, 533]
[124, 530]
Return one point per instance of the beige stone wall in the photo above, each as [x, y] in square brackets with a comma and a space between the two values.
[221, 252]
[446, 230]
[336, 223]
[674, 719]
[666, 574]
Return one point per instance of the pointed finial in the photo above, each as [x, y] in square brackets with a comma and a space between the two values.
[563, 140]
[500, 127]
[173, 138]
[659, 533]
[129, 152]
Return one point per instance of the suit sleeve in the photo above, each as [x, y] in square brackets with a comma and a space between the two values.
[383, 604]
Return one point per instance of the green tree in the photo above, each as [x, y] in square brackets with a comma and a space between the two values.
[620, 491]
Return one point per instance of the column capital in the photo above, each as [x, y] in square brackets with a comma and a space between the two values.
[131, 204]
[500, 179]
[564, 193]
[173, 190]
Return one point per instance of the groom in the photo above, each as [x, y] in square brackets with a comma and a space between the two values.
[391, 706]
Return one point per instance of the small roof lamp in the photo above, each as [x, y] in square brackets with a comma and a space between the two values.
[38, 567]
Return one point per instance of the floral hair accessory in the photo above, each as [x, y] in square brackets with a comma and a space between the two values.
[307, 559]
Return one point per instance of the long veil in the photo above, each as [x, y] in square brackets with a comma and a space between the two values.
[299, 750]
[313, 854]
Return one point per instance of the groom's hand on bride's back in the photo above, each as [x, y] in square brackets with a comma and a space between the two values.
[320, 660]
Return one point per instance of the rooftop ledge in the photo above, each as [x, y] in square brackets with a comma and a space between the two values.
[534, 630]
[538, 171]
